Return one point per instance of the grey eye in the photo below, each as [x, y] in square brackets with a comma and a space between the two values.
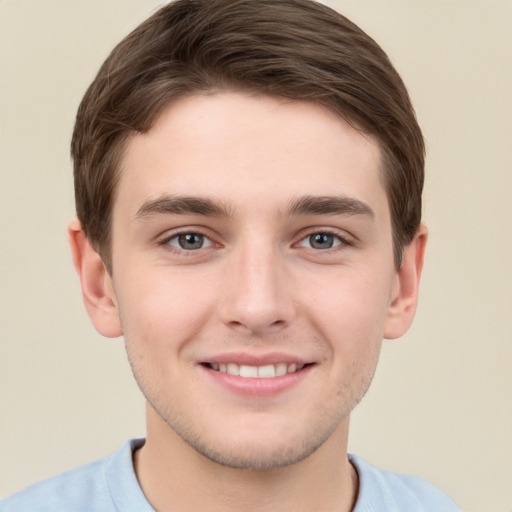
[321, 240]
[190, 241]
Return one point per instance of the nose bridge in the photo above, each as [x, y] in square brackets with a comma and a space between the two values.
[257, 296]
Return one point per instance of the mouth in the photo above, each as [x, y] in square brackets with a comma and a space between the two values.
[267, 371]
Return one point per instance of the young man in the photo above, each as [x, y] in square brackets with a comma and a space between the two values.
[248, 182]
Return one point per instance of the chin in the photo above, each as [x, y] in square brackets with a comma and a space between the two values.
[255, 456]
[260, 447]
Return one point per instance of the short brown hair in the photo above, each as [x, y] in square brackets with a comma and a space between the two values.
[297, 49]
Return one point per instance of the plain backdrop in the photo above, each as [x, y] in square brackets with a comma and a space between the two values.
[440, 405]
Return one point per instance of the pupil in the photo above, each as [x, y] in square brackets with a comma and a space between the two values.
[321, 241]
[191, 241]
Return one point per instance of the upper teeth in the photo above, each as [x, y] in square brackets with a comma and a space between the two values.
[252, 372]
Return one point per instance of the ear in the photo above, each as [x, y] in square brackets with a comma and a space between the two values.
[97, 289]
[405, 293]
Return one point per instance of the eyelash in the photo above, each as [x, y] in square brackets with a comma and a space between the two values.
[341, 241]
[166, 242]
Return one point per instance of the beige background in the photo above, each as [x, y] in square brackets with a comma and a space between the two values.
[441, 402]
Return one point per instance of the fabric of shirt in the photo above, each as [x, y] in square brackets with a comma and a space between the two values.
[110, 485]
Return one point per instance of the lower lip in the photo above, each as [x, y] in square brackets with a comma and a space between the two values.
[257, 387]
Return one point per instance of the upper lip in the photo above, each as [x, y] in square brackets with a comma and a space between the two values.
[255, 359]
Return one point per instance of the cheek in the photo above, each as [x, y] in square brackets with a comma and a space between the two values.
[353, 326]
[166, 297]
[164, 312]
[353, 305]
[350, 317]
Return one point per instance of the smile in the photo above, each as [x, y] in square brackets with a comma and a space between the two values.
[267, 371]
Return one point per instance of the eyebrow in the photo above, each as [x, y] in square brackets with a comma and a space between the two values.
[322, 205]
[182, 205]
[304, 205]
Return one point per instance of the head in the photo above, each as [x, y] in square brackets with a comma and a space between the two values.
[296, 49]
[248, 180]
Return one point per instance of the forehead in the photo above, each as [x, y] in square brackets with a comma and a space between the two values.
[249, 148]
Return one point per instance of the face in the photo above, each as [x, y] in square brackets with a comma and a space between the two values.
[252, 273]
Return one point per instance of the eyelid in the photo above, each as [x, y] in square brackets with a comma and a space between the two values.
[343, 238]
[206, 239]
[169, 235]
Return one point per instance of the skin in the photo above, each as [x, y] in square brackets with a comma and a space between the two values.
[255, 285]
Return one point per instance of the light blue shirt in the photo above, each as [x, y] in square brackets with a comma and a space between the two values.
[110, 485]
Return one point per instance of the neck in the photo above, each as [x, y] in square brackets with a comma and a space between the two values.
[174, 477]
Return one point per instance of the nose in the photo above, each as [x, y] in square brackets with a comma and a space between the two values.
[258, 292]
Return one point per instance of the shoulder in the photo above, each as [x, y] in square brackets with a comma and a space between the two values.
[397, 492]
[75, 490]
[95, 486]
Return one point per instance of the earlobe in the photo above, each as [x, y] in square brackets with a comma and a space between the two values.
[405, 295]
[97, 290]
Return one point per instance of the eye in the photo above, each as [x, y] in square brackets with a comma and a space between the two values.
[189, 241]
[321, 241]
